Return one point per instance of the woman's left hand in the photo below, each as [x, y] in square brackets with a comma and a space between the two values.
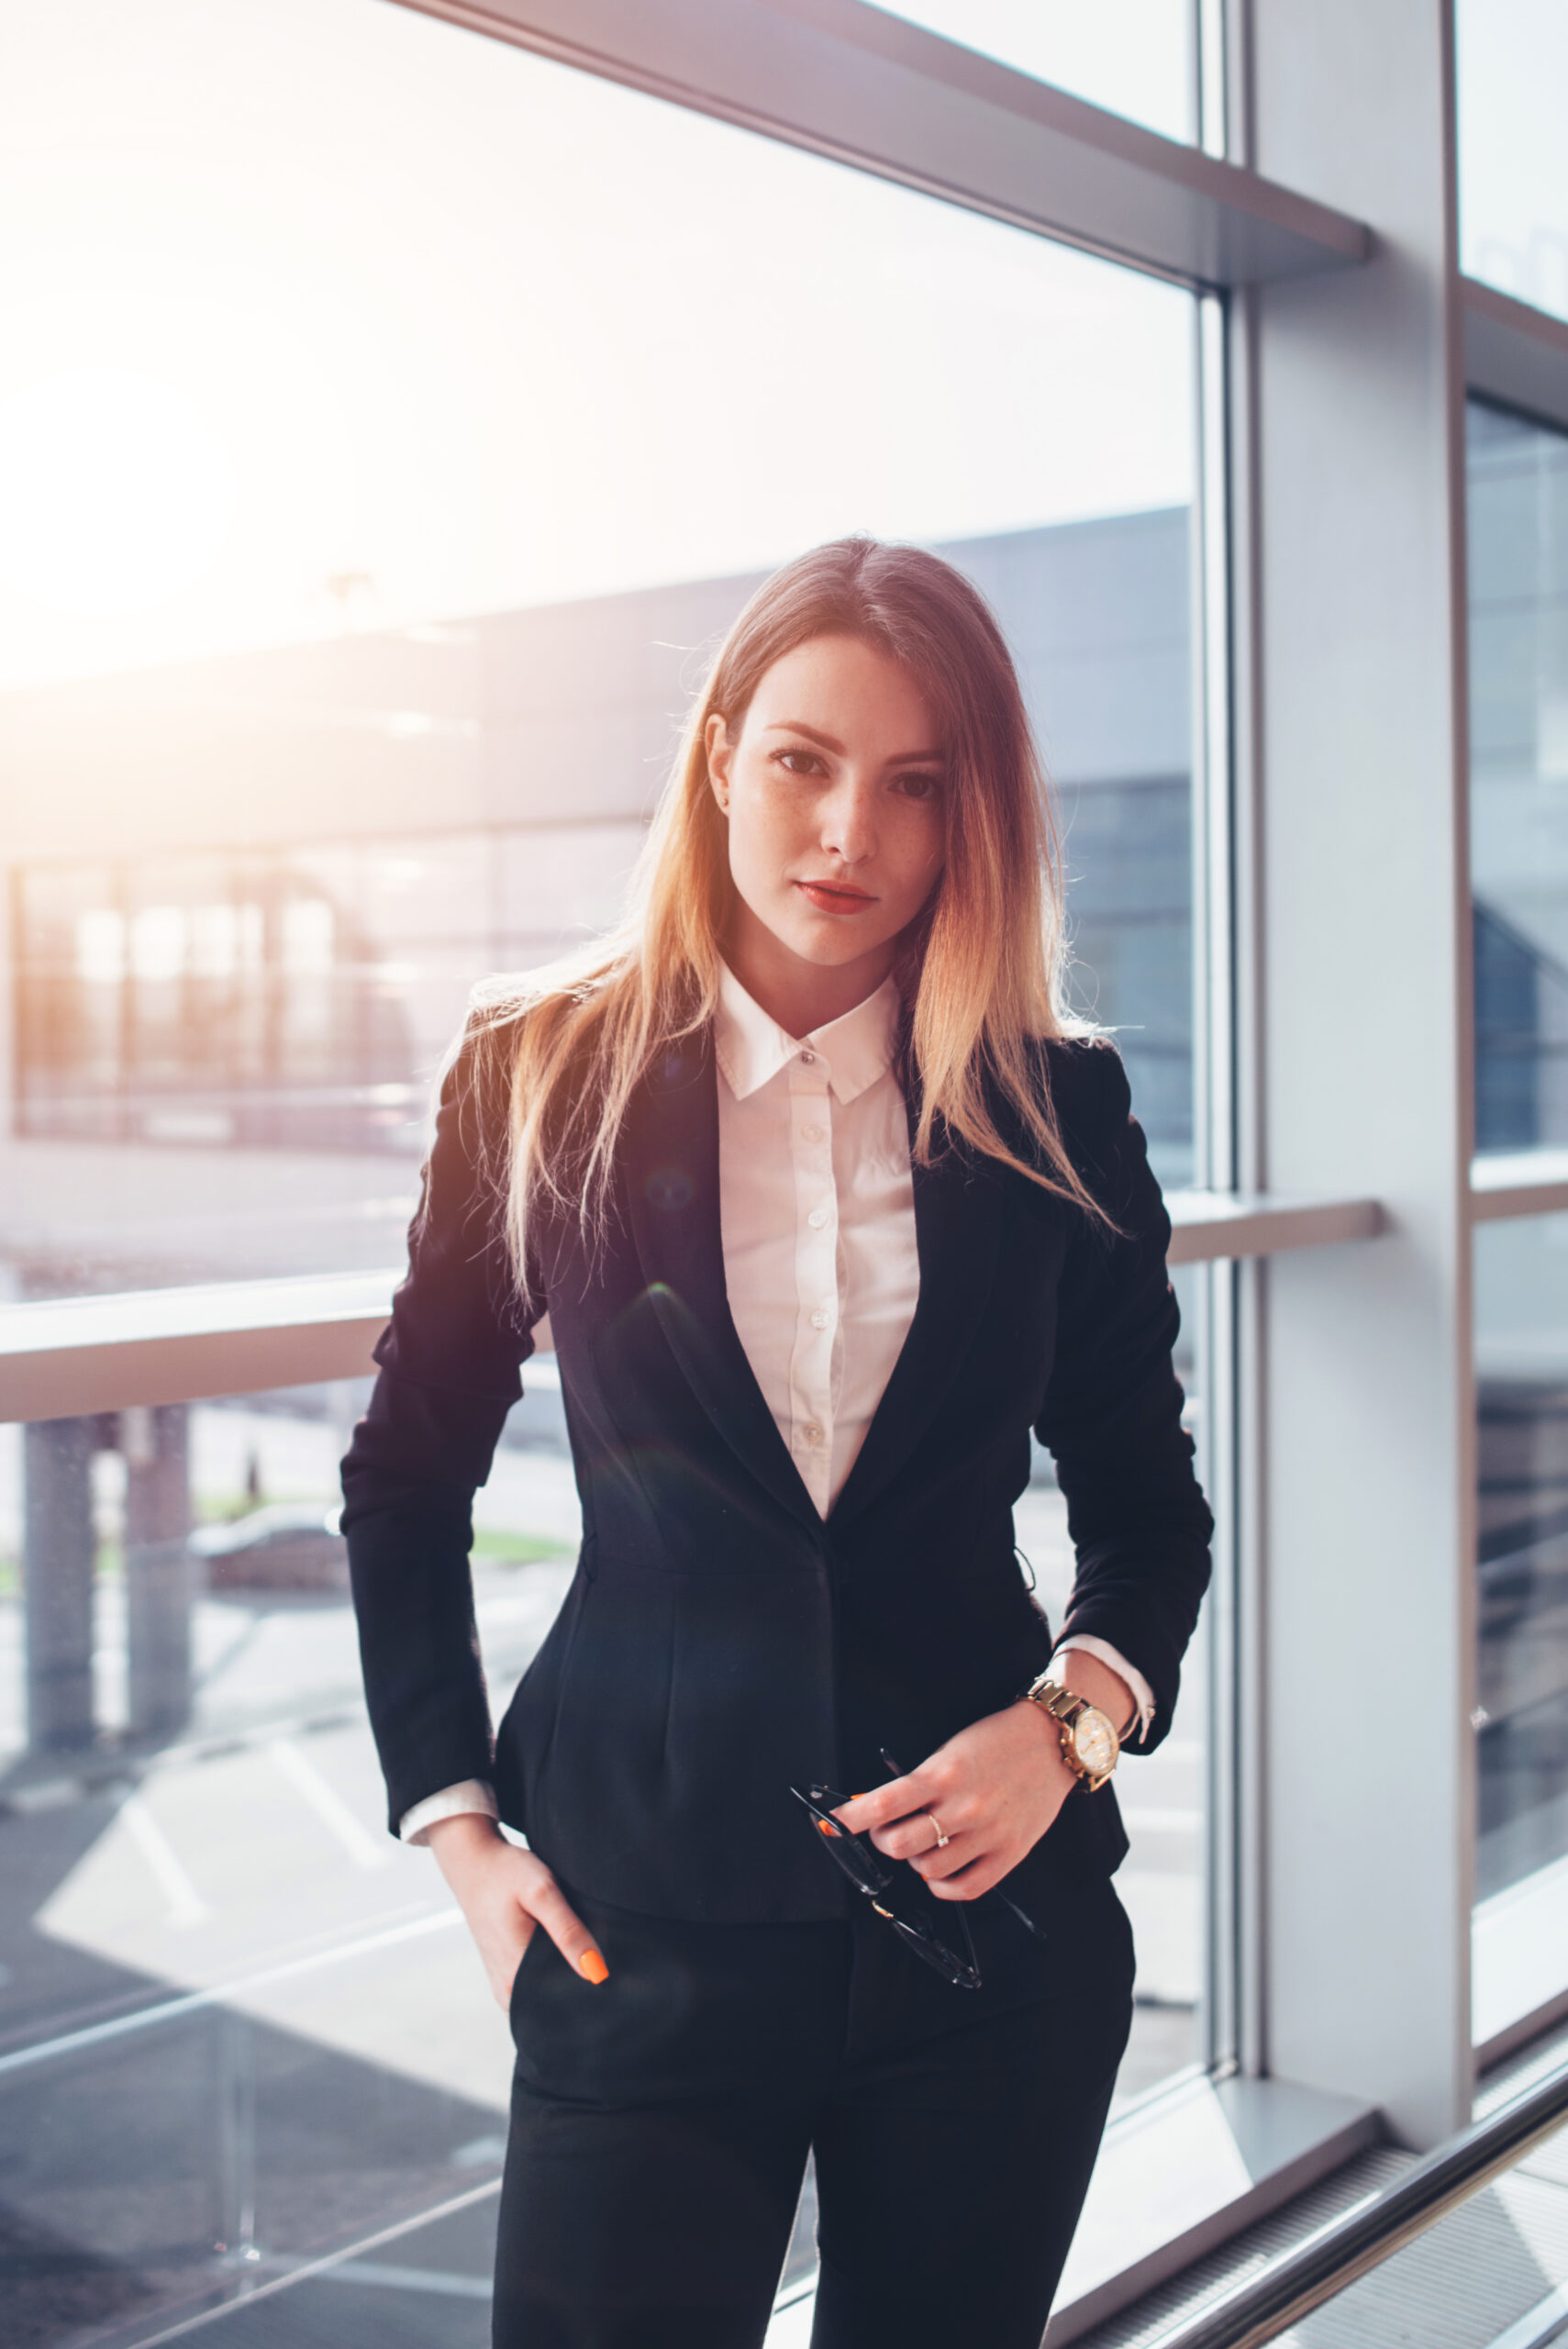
[996, 1788]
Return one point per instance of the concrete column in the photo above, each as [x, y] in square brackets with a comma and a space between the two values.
[58, 1548]
[158, 1572]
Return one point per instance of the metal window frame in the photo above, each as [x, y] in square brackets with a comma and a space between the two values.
[849, 82]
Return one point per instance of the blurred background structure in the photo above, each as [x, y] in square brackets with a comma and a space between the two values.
[394, 414]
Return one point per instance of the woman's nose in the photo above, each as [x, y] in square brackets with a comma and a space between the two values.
[848, 827]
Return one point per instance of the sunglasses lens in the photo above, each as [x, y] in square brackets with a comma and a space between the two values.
[859, 1865]
[859, 1862]
[868, 1872]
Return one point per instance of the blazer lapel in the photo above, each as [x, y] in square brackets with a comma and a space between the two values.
[958, 1216]
[670, 1161]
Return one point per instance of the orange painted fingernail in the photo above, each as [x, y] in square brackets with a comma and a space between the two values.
[825, 1827]
[592, 1966]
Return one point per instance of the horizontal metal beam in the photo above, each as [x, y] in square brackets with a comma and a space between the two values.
[69, 1356]
[1516, 1183]
[853, 83]
[172, 1345]
[1216, 1227]
[1514, 354]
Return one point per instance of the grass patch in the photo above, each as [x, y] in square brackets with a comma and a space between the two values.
[498, 1548]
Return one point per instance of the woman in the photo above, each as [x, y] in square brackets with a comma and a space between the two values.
[827, 1208]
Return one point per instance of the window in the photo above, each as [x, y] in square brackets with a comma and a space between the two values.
[1134, 57]
[1518, 727]
[1513, 58]
[1521, 1367]
[494, 474]
[360, 553]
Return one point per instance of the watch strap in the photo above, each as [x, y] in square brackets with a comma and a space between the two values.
[1064, 1706]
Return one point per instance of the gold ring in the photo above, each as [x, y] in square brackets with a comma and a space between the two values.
[942, 1840]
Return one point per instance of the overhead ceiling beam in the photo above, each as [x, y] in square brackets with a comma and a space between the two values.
[849, 82]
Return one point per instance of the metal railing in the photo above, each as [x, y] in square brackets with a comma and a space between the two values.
[1264, 2305]
[69, 1356]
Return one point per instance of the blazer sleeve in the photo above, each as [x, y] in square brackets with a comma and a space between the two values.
[449, 1374]
[1112, 1414]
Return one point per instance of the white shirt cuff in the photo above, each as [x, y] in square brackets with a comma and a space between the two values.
[473, 1795]
[1142, 1693]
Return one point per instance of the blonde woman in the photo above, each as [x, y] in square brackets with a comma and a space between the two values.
[828, 1206]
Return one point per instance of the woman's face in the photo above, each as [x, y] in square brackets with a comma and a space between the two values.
[832, 790]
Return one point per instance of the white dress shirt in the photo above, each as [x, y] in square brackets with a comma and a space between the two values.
[817, 1209]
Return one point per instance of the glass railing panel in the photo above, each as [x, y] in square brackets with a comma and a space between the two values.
[240, 2027]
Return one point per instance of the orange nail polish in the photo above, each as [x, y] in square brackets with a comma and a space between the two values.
[592, 1966]
[825, 1827]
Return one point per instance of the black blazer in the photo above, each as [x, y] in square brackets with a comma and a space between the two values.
[720, 1641]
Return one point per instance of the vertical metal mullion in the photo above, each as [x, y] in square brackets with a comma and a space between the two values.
[1231, 1970]
[1215, 1142]
[1466, 1383]
[1249, 1629]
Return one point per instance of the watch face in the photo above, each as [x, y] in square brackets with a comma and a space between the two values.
[1093, 1740]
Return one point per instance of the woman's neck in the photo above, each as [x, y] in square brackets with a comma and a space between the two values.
[800, 996]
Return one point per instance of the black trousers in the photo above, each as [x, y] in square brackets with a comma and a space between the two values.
[661, 2124]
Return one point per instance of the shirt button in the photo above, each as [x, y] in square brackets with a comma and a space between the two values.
[808, 1059]
[812, 1133]
[812, 1434]
[820, 1319]
[817, 1219]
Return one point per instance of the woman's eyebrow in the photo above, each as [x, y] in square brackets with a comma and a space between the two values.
[797, 725]
[831, 742]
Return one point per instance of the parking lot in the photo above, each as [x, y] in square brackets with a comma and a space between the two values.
[241, 2029]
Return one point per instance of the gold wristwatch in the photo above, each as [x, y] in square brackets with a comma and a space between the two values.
[1090, 1746]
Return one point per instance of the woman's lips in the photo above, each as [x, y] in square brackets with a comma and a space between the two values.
[835, 898]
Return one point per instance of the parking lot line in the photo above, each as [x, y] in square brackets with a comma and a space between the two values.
[186, 1905]
[365, 1849]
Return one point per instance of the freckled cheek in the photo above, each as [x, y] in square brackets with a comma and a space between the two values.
[760, 854]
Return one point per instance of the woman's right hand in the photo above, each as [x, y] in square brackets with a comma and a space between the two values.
[507, 1895]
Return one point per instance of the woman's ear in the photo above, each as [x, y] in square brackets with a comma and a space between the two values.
[716, 740]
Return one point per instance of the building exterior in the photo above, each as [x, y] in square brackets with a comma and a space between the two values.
[297, 862]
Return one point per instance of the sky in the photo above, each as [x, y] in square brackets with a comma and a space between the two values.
[323, 314]
[1133, 56]
[1513, 147]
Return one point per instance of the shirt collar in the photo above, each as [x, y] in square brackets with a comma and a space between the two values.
[751, 1048]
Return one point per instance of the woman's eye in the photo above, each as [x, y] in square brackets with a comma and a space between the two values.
[798, 762]
[919, 786]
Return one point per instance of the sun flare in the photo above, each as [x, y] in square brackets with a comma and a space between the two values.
[115, 496]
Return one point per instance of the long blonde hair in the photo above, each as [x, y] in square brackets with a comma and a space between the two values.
[980, 970]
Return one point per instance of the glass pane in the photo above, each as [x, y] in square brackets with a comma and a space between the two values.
[1519, 724]
[194, 1868]
[1513, 178]
[1162, 1883]
[1521, 1353]
[1133, 56]
[448, 501]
